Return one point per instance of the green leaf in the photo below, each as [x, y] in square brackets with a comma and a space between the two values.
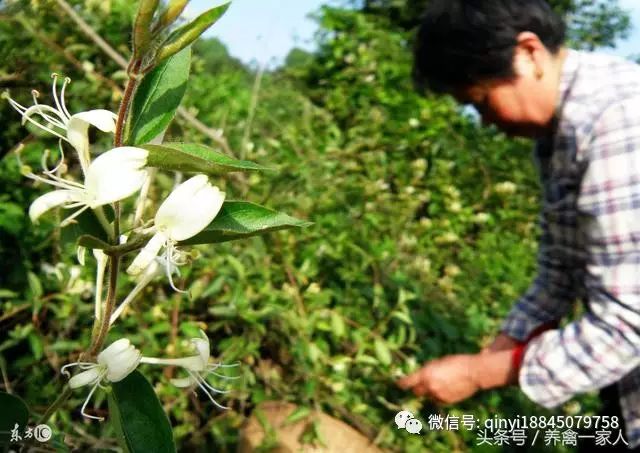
[35, 286]
[298, 414]
[367, 359]
[188, 33]
[157, 98]
[337, 325]
[135, 242]
[7, 294]
[12, 217]
[382, 351]
[402, 316]
[36, 344]
[191, 157]
[241, 219]
[86, 224]
[14, 411]
[92, 242]
[138, 418]
[57, 442]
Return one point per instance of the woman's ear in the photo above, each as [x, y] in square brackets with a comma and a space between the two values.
[523, 64]
[529, 55]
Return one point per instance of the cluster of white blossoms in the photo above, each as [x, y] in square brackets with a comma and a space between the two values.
[120, 358]
[110, 177]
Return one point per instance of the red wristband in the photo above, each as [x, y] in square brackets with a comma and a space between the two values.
[516, 356]
[518, 351]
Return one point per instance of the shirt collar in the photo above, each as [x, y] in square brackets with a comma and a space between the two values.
[544, 145]
[567, 78]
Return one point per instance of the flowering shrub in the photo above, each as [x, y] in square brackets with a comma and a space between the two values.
[195, 212]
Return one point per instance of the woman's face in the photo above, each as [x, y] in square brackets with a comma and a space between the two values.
[520, 106]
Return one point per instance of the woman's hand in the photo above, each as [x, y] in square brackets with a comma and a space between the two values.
[446, 380]
[457, 377]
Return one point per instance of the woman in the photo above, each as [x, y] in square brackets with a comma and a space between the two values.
[507, 58]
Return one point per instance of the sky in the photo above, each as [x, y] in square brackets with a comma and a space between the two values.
[264, 31]
[632, 44]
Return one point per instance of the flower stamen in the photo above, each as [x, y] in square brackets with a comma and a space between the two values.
[67, 81]
[40, 109]
[82, 365]
[197, 378]
[86, 401]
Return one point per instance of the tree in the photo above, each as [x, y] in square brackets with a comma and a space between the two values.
[592, 23]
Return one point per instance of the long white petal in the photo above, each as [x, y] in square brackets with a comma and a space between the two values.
[183, 382]
[86, 377]
[51, 200]
[100, 118]
[78, 137]
[123, 364]
[189, 208]
[78, 126]
[193, 362]
[111, 351]
[115, 175]
[147, 254]
[202, 346]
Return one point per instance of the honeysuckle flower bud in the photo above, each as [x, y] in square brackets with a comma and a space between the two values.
[101, 259]
[186, 211]
[198, 367]
[59, 122]
[111, 177]
[113, 364]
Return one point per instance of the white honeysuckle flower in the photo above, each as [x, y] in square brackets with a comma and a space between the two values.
[155, 269]
[58, 121]
[76, 285]
[111, 177]
[51, 270]
[198, 368]
[113, 364]
[506, 188]
[186, 211]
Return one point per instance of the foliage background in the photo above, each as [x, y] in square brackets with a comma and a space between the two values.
[418, 247]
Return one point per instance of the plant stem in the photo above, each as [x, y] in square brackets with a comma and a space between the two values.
[101, 325]
[99, 334]
[64, 396]
[126, 100]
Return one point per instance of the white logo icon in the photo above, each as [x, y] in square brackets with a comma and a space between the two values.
[406, 420]
[42, 433]
[402, 417]
[413, 426]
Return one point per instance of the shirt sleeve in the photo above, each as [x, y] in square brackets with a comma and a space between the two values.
[602, 346]
[548, 299]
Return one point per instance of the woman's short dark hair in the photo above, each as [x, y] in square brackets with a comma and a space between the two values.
[463, 42]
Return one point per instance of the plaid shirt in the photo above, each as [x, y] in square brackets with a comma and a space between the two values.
[590, 244]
